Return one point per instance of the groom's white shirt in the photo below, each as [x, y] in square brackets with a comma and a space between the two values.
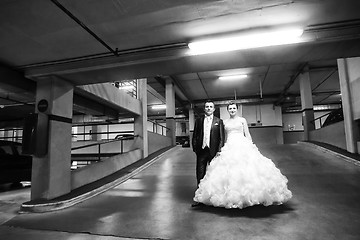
[207, 127]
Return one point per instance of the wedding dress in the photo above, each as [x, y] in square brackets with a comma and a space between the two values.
[240, 176]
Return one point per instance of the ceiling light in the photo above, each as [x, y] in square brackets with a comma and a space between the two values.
[233, 77]
[273, 38]
[161, 106]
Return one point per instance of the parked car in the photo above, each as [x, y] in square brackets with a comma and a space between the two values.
[186, 144]
[124, 136]
[14, 166]
[184, 141]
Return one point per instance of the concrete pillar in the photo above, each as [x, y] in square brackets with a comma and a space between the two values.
[349, 74]
[191, 123]
[94, 136]
[140, 123]
[306, 103]
[51, 169]
[170, 111]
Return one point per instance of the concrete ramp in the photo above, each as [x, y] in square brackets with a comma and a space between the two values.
[156, 204]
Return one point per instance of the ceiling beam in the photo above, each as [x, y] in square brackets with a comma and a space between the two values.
[14, 82]
[174, 58]
[180, 91]
[153, 92]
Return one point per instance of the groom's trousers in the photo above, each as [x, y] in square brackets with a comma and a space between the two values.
[203, 158]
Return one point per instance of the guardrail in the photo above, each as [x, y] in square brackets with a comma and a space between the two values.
[155, 127]
[86, 131]
[319, 120]
[13, 134]
[83, 159]
[329, 118]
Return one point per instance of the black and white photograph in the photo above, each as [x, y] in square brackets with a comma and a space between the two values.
[179, 119]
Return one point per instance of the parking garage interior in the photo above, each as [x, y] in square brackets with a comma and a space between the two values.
[98, 102]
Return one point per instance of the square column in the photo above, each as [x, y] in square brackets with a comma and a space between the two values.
[306, 103]
[51, 169]
[170, 111]
[349, 76]
[94, 136]
[140, 122]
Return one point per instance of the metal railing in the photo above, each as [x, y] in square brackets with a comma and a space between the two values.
[155, 128]
[319, 120]
[87, 134]
[328, 118]
[90, 134]
[83, 159]
[13, 134]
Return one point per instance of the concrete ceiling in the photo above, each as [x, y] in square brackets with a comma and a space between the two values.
[90, 41]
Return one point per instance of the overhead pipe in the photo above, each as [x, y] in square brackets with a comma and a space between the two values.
[115, 52]
[105, 55]
[289, 84]
[325, 79]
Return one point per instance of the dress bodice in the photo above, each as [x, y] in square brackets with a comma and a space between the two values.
[234, 127]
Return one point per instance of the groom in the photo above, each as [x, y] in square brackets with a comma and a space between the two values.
[208, 139]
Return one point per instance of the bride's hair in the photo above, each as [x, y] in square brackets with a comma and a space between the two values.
[231, 103]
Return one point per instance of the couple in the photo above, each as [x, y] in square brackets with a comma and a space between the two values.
[230, 170]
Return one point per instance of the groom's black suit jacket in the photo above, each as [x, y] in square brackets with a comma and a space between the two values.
[217, 136]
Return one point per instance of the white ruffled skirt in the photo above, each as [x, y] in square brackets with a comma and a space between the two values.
[240, 176]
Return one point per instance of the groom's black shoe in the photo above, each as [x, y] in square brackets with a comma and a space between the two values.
[197, 204]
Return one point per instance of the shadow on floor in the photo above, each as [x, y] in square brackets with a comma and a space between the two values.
[258, 211]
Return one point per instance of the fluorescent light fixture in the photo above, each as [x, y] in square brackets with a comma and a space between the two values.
[161, 106]
[233, 77]
[279, 37]
[127, 87]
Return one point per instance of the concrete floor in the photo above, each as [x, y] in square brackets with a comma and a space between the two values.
[156, 204]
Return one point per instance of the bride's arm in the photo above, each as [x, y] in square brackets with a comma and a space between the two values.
[246, 129]
[225, 132]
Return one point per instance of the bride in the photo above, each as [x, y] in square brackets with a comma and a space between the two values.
[240, 176]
